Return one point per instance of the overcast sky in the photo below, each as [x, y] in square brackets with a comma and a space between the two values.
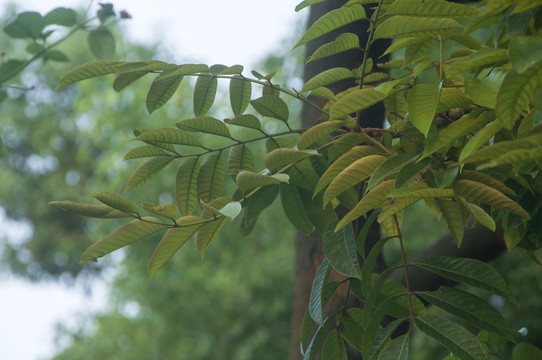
[211, 31]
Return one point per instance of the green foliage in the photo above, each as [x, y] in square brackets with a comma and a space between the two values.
[480, 150]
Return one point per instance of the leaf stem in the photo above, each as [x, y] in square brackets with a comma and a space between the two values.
[405, 267]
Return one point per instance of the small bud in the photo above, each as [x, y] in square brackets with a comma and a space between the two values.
[125, 14]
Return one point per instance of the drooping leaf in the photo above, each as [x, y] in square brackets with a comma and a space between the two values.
[208, 232]
[169, 136]
[466, 306]
[101, 43]
[306, 3]
[369, 264]
[247, 180]
[240, 92]
[490, 181]
[281, 157]
[116, 202]
[481, 193]
[125, 235]
[293, 208]
[416, 192]
[355, 101]
[205, 124]
[147, 171]
[211, 178]
[322, 92]
[240, 158]
[480, 92]
[334, 347]
[478, 140]
[315, 300]
[351, 175]
[271, 106]
[466, 40]
[452, 98]
[422, 105]
[343, 42]
[204, 94]
[231, 70]
[122, 81]
[186, 192]
[186, 69]
[340, 250]
[405, 43]
[454, 218]
[165, 210]
[410, 26]
[523, 351]
[316, 341]
[327, 77]
[468, 271]
[172, 241]
[452, 336]
[345, 143]
[370, 201]
[332, 20]
[231, 210]
[431, 8]
[318, 132]
[525, 51]
[90, 210]
[162, 89]
[355, 153]
[381, 338]
[397, 349]
[246, 120]
[303, 175]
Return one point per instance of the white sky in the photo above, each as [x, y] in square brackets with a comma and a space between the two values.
[197, 31]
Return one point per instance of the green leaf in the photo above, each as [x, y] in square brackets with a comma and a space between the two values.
[144, 152]
[211, 178]
[345, 143]
[240, 158]
[169, 136]
[355, 153]
[489, 153]
[61, 16]
[162, 89]
[340, 250]
[257, 203]
[240, 92]
[232, 70]
[466, 40]
[231, 210]
[327, 77]
[186, 192]
[410, 26]
[125, 235]
[101, 43]
[526, 351]
[390, 167]
[204, 94]
[373, 325]
[318, 132]
[271, 106]
[334, 348]
[381, 338]
[322, 92]
[116, 202]
[431, 8]
[332, 20]
[95, 211]
[458, 129]
[479, 139]
[205, 124]
[417, 193]
[165, 210]
[454, 218]
[315, 300]
[293, 208]
[356, 172]
[451, 98]
[475, 311]
[397, 349]
[207, 233]
[525, 51]
[172, 241]
[516, 92]
[343, 42]
[186, 69]
[316, 341]
[481, 193]
[147, 171]
[479, 215]
[422, 105]
[406, 42]
[369, 264]
[355, 101]
[480, 92]
[306, 3]
[28, 24]
[282, 157]
[246, 120]
[452, 336]
[487, 180]
[468, 271]
[370, 201]
[247, 180]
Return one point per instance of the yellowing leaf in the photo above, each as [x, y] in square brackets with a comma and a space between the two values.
[355, 101]
[327, 77]
[281, 157]
[247, 180]
[410, 26]
[317, 132]
[343, 42]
